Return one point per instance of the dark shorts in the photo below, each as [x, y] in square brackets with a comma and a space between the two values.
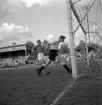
[53, 54]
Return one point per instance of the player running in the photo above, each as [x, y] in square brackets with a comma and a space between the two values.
[54, 52]
[39, 50]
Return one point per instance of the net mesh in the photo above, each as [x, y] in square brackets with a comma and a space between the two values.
[93, 26]
[94, 17]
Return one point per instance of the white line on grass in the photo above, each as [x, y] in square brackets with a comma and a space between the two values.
[63, 92]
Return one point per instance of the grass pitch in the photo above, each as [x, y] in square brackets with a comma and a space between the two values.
[22, 86]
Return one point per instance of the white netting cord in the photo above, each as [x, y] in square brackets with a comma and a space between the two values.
[95, 26]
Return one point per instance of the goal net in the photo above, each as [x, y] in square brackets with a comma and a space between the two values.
[89, 12]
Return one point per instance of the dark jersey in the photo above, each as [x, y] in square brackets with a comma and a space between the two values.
[39, 49]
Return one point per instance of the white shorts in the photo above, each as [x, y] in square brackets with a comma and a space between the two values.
[41, 56]
[16, 63]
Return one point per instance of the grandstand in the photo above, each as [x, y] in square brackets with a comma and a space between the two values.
[15, 51]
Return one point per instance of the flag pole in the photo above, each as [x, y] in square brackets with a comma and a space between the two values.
[71, 38]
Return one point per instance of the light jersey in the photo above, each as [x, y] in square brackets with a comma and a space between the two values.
[56, 45]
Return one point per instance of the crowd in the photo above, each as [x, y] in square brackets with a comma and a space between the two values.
[21, 61]
[13, 61]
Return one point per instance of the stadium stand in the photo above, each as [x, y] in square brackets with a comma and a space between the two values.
[14, 55]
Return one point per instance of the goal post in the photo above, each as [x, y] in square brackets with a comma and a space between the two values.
[71, 38]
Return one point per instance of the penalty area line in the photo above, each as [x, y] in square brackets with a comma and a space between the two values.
[63, 92]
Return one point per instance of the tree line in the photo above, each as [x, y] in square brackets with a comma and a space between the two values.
[81, 48]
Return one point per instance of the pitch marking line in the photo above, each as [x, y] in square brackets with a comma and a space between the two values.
[63, 92]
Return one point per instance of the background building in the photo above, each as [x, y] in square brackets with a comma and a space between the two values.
[15, 51]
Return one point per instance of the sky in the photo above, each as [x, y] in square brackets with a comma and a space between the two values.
[24, 20]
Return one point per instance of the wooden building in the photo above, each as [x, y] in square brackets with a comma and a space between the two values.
[15, 51]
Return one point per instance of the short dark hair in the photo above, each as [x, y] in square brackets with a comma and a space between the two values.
[62, 37]
[38, 40]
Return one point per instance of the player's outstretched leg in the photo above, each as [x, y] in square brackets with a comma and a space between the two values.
[39, 70]
[43, 67]
[46, 72]
[67, 68]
